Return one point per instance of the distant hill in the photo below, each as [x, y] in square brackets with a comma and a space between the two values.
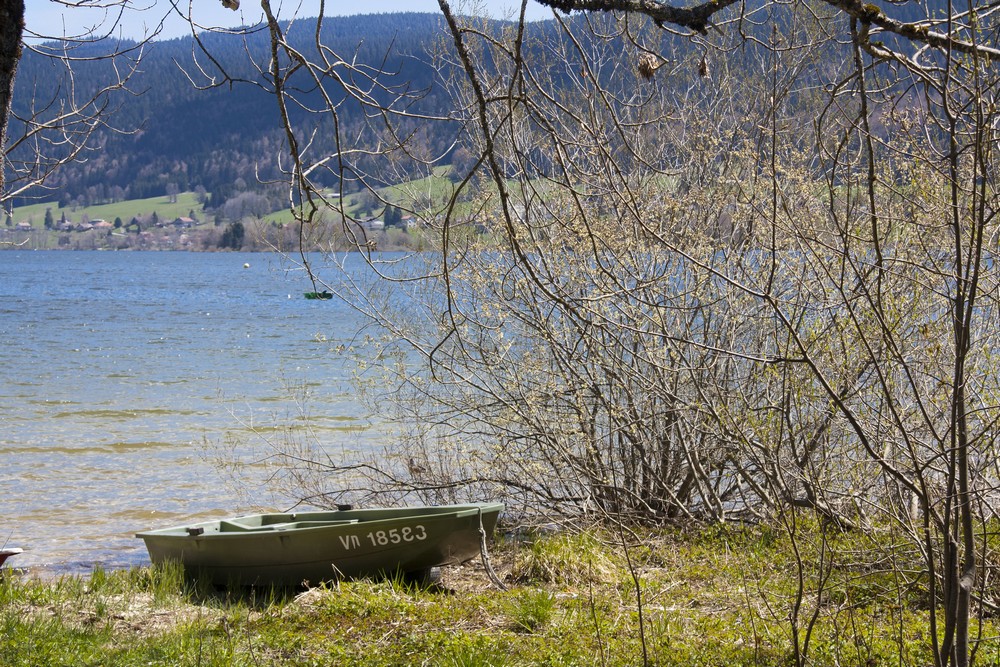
[169, 136]
[175, 135]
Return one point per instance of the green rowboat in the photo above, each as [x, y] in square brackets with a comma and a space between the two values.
[305, 548]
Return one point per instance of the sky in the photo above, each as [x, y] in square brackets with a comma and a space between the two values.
[52, 19]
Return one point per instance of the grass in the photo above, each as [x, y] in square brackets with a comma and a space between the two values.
[126, 210]
[431, 192]
[426, 195]
[711, 597]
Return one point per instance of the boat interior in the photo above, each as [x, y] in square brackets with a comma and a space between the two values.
[229, 526]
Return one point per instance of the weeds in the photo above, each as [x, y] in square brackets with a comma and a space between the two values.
[477, 653]
[530, 610]
[711, 598]
[565, 558]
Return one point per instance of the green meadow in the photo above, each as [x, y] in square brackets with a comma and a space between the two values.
[710, 596]
[126, 210]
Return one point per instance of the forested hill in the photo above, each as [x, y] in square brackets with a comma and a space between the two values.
[169, 133]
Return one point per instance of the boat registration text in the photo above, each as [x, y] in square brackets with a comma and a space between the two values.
[382, 538]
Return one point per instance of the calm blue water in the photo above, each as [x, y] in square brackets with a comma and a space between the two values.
[122, 373]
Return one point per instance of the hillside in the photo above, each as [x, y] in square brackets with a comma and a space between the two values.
[182, 222]
[168, 134]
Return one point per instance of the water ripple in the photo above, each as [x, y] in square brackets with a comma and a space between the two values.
[122, 376]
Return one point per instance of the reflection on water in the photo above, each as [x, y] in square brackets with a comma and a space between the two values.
[119, 371]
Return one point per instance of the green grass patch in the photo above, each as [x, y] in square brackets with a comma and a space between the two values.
[165, 210]
[711, 596]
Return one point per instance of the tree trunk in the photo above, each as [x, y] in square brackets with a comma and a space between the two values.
[11, 29]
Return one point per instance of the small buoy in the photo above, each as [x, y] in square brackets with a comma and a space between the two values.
[246, 265]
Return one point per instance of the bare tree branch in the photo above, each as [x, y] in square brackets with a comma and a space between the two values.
[700, 17]
[697, 17]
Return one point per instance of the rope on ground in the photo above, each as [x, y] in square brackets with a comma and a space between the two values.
[490, 572]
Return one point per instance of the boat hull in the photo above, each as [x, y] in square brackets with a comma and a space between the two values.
[7, 553]
[306, 548]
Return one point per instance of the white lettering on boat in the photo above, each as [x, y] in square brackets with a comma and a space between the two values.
[350, 542]
[382, 538]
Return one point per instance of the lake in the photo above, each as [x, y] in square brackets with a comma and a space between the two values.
[122, 374]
